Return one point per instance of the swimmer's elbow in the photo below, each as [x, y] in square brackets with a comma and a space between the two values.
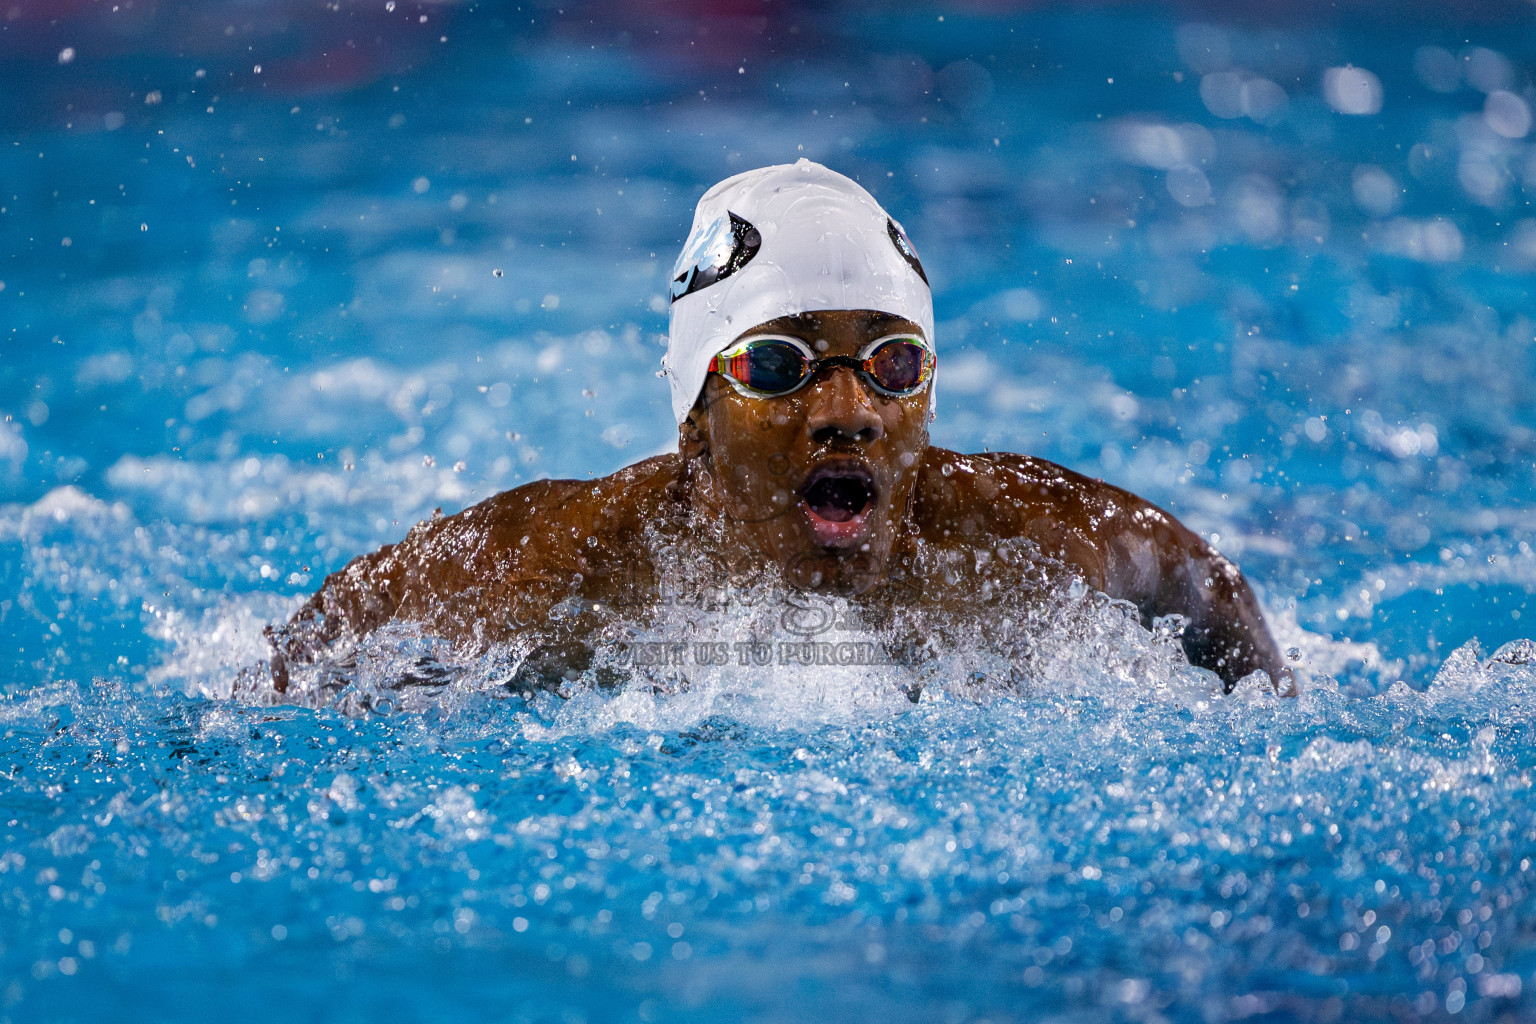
[1164, 568]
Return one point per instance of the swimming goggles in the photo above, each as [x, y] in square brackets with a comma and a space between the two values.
[770, 365]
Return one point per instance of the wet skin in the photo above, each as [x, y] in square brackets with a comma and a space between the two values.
[749, 488]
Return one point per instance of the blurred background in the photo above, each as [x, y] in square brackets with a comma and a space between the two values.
[279, 278]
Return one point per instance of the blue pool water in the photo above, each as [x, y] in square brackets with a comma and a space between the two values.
[280, 279]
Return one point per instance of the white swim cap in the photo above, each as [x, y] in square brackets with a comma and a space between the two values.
[780, 240]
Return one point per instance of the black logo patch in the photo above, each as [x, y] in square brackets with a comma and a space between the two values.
[903, 245]
[720, 250]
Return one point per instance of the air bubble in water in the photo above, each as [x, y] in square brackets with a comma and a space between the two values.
[390, 5]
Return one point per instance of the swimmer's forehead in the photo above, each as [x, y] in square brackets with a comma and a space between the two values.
[868, 321]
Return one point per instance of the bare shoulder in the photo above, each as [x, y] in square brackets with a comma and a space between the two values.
[469, 574]
[548, 520]
[1002, 492]
[1067, 490]
[1071, 516]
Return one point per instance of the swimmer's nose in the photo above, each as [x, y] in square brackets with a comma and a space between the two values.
[841, 409]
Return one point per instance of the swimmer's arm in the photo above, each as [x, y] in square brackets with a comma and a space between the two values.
[476, 577]
[352, 601]
[1165, 568]
[1134, 551]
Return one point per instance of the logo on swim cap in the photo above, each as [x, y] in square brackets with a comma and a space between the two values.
[904, 246]
[721, 249]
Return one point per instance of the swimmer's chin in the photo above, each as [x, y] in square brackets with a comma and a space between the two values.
[844, 572]
[841, 557]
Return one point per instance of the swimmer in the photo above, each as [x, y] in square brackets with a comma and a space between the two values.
[802, 362]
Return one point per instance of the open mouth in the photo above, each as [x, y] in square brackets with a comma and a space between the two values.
[836, 498]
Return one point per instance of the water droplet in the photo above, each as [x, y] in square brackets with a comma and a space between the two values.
[1516, 652]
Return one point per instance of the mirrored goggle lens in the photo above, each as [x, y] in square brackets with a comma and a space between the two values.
[767, 365]
[901, 365]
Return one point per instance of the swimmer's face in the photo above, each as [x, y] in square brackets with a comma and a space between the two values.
[817, 480]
